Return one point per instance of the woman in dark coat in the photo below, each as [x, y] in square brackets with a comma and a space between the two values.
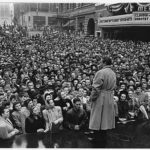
[123, 106]
[34, 123]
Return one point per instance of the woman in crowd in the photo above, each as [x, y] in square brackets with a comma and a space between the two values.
[12, 100]
[142, 101]
[36, 104]
[123, 106]
[34, 123]
[52, 115]
[64, 102]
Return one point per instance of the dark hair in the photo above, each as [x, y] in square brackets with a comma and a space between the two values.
[47, 94]
[27, 102]
[31, 112]
[107, 61]
[21, 94]
[29, 83]
[132, 80]
[31, 118]
[12, 96]
[123, 83]
[137, 86]
[76, 100]
[15, 105]
[6, 103]
[123, 92]
[132, 86]
[74, 80]
[2, 108]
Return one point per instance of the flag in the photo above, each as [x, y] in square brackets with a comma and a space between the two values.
[131, 7]
[115, 7]
[127, 8]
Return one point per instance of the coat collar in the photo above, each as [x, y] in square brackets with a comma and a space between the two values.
[107, 66]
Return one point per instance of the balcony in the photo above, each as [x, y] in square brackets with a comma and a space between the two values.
[134, 19]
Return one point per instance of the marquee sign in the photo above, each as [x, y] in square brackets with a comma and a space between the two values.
[136, 18]
[142, 16]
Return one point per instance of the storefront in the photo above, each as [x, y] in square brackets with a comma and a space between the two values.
[132, 26]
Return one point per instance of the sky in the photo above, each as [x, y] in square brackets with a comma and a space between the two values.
[76, 1]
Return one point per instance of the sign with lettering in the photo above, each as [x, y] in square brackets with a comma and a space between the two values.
[143, 7]
[114, 19]
[141, 15]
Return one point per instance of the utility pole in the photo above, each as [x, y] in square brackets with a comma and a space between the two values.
[22, 12]
[57, 15]
[37, 9]
[11, 15]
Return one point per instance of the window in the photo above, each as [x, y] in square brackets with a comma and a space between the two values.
[29, 18]
[39, 20]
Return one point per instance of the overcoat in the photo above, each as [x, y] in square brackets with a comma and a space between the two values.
[102, 115]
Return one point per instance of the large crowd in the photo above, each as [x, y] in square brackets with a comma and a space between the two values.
[46, 81]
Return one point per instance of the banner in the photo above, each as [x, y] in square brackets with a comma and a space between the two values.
[143, 4]
[115, 7]
[128, 7]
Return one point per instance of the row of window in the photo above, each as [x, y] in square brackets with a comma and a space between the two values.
[52, 7]
[145, 18]
[41, 20]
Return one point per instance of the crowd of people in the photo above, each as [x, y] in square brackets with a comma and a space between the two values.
[46, 81]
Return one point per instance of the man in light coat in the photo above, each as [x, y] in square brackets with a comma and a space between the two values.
[102, 115]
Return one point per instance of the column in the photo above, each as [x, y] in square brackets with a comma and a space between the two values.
[31, 21]
[102, 33]
[46, 20]
[76, 27]
[49, 5]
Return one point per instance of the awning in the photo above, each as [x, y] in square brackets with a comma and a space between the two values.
[69, 23]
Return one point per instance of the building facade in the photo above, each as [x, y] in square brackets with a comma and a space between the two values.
[6, 13]
[80, 17]
[126, 21]
[36, 15]
[108, 21]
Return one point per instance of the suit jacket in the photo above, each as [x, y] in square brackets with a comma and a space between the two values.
[74, 117]
[18, 119]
